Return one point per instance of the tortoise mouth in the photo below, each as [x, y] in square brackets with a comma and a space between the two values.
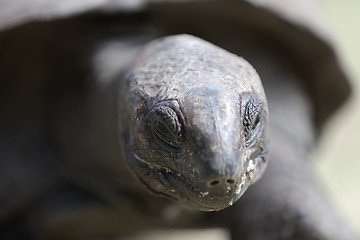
[168, 183]
[165, 182]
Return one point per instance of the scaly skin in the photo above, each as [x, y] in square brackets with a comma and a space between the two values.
[195, 120]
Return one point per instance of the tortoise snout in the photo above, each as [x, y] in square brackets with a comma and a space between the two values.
[219, 167]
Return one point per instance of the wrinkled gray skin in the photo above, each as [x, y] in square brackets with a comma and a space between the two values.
[63, 173]
[194, 120]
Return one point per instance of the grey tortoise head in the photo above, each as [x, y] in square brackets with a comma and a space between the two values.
[193, 120]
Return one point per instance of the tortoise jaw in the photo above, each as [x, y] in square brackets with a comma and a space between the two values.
[168, 183]
[161, 181]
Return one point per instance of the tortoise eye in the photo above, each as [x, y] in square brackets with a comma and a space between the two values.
[251, 119]
[165, 125]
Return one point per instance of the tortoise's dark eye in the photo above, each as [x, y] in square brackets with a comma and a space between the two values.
[165, 125]
[251, 119]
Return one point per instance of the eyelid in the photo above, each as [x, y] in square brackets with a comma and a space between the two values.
[251, 113]
[168, 117]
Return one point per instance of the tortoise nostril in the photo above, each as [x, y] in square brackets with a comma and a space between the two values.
[230, 181]
[214, 183]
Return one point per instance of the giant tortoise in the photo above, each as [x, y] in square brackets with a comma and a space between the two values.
[126, 116]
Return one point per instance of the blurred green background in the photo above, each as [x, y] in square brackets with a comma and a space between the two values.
[337, 159]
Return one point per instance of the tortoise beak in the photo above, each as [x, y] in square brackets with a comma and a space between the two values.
[215, 140]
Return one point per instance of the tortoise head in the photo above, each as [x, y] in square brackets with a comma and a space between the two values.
[194, 122]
